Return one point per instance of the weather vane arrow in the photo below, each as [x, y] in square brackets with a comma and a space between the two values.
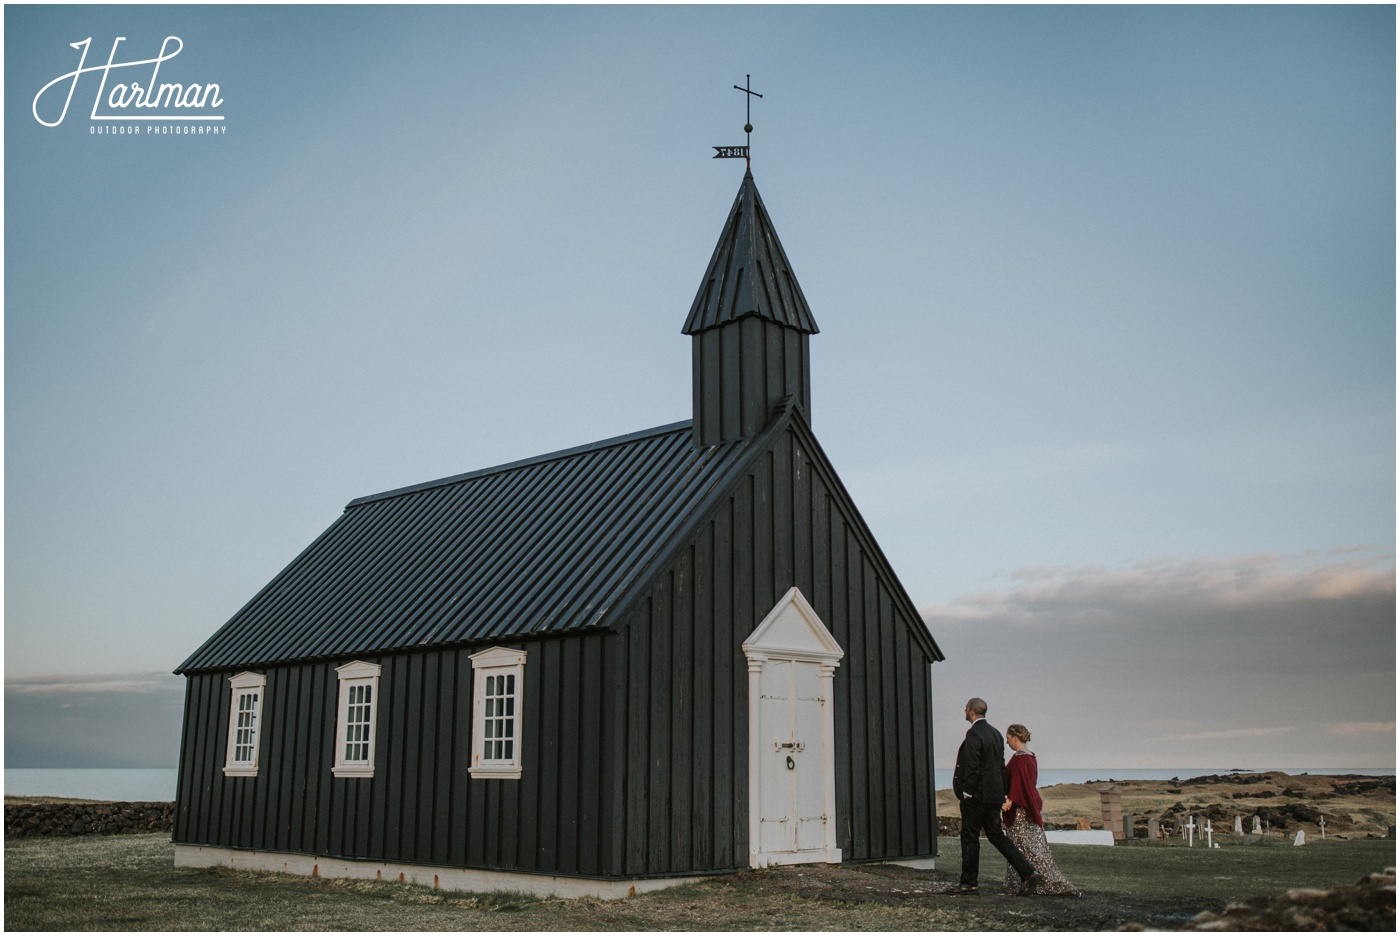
[741, 152]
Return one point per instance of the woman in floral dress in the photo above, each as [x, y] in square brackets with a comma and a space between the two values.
[1020, 814]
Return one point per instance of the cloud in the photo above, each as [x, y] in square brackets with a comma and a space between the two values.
[1288, 614]
[104, 720]
[1229, 733]
[1362, 728]
[1181, 661]
[1180, 585]
[157, 682]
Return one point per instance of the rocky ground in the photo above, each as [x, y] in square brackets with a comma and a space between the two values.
[1353, 806]
[1366, 906]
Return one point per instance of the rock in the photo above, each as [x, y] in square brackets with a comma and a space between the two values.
[86, 818]
[1369, 785]
[1368, 905]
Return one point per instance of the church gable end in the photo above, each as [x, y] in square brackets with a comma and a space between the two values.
[785, 521]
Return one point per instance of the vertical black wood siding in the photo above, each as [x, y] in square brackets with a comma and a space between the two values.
[421, 805]
[740, 371]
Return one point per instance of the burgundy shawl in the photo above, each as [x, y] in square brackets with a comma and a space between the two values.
[1020, 788]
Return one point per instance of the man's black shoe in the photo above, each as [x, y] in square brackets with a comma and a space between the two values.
[964, 890]
[1030, 885]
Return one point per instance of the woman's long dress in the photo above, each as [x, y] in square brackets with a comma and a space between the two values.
[1027, 835]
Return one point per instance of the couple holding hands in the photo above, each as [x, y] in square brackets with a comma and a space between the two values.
[1003, 803]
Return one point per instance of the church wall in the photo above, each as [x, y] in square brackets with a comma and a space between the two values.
[686, 761]
[421, 805]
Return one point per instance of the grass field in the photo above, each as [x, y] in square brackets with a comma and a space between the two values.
[129, 883]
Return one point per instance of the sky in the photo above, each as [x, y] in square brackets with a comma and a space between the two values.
[1106, 298]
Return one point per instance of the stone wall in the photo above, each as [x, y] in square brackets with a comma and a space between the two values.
[87, 818]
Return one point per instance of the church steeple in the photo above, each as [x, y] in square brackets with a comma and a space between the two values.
[749, 326]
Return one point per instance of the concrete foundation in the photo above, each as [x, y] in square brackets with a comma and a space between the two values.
[454, 879]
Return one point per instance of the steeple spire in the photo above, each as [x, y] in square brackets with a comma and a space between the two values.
[749, 273]
[749, 326]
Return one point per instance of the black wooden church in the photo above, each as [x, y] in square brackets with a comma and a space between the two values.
[671, 653]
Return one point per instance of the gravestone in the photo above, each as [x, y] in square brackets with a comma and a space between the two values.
[1257, 828]
[1128, 819]
[1239, 825]
[1154, 830]
[1298, 839]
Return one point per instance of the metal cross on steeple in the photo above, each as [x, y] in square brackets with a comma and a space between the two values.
[734, 152]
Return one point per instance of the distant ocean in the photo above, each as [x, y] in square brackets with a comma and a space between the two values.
[158, 785]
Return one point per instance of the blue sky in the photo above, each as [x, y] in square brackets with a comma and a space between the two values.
[1107, 299]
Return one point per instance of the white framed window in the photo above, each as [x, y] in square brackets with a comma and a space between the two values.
[244, 724]
[357, 703]
[497, 715]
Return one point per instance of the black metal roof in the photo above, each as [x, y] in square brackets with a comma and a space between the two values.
[749, 273]
[544, 545]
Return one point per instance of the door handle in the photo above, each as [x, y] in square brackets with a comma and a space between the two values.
[791, 765]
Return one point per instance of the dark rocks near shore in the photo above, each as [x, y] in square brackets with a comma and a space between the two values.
[1360, 785]
[1237, 778]
[26, 820]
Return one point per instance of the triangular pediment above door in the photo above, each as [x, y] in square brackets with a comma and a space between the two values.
[793, 631]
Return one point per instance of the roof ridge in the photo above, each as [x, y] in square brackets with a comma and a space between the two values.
[684, 424]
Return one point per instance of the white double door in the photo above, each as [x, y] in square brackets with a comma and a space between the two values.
[792, 659]
[793, 810]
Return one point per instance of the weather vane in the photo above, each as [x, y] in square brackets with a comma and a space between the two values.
[741, 152]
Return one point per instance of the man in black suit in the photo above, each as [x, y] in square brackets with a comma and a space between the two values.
[980, 788]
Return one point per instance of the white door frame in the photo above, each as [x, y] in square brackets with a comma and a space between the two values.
[792, 632]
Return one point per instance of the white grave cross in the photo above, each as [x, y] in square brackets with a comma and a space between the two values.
[1190, 832]
[1322, 824]
[1210, 842]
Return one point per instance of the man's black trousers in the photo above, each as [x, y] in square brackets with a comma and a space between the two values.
[979, 819]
